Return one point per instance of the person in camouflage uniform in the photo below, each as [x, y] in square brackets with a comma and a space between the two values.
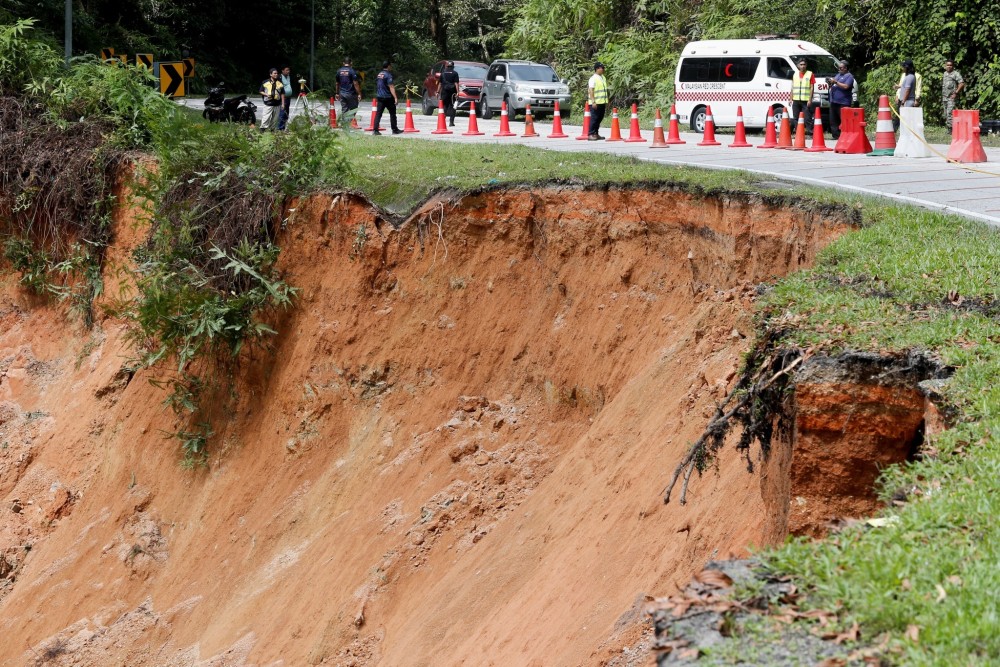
[952, 84]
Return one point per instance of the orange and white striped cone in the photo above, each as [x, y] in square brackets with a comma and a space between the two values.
[408, 125]
[785, 136]
[442, 127]
[800, 134]
[740, 140]
[709, 138]
[529, 123]
[674, 131]
[770, 140]
[616, 128]
[504, 122]
[473, 130]
[371, 123]
[658, 139]
[634, 133]
[885, 135]
[585, 130]
[557, 131]
[333, 114]
[819, 143]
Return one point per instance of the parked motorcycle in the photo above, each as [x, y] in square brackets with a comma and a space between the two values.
[218, 109]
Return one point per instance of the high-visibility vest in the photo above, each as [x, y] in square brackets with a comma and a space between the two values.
[801, 86]
[600, 90]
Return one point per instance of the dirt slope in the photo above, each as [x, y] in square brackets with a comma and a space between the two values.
[454, 454]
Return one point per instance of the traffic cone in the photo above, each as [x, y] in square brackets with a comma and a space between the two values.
[800, 134]
[408, 125]
[354, 121]
[371, 123]
[557, 131]
[473, 130]
[674, 131]
[770, 140]
[885, 136]
[504, 122]
[819, 143]
[658, 140]
[785, 136]
[333, 114]
[740, 140]
[634, 133]
[616, 129]
[585, 130]
[529, 123]
[709, 138]
[442, 127]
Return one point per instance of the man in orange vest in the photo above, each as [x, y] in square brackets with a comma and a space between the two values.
[801, 96]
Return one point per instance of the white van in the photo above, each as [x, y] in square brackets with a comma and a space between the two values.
[752, 73]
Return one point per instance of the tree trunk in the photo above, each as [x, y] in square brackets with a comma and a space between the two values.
[439, 32]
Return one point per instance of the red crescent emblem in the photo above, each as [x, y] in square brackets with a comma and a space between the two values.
[729, 67]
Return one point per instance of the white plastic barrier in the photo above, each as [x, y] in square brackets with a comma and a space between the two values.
[911, 134]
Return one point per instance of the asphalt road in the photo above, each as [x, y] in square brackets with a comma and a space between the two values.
[971, 190]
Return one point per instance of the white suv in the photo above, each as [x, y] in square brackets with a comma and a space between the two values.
[520, 83]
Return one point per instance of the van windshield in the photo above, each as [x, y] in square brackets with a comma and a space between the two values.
[821, 66]
[533, 73]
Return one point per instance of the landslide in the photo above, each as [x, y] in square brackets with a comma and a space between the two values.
[453, 454]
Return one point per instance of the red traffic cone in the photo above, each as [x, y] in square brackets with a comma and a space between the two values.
[674, 131]
[371, 123]
[354, 121]
[616, 128]
[557, 131]
[585, 130]
[333, 114]
[408, 126]
[770, 140]
[709, 137]
[658, 140]
[740, 140]
[442, 127]
[473, 130]
[819, 143]
[504, 122]
[885, 135]
[529, 123]
[785, 136]
[634, 133]
[800, 134]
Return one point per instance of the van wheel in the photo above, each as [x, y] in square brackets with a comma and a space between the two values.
[698, 120]
[779, 113]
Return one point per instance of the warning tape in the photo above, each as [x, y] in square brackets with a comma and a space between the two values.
[935, 151]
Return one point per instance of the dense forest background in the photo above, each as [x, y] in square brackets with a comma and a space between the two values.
[638, 39]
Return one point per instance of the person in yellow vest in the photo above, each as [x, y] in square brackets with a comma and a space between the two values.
[272, 92]
[597, 93]
[803, 82]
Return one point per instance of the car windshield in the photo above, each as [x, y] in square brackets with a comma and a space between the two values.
[533, 73]
[819, 65]
[470, 71]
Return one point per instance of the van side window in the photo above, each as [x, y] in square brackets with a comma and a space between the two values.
[778, 68]
[718, 70]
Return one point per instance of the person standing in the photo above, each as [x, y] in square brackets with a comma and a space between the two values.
[803, 82]
[597, 94]
[906, 90]
[385, 96]
[348, 87]
[449, 89]
[952, 84]
[273, 93]
[841, 91]
[286, 104]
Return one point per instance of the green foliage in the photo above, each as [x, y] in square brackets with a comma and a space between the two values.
[28, 64]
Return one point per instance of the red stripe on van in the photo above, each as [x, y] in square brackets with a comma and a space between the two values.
[742, 96]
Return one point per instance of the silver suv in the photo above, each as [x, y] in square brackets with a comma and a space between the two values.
[522, 82]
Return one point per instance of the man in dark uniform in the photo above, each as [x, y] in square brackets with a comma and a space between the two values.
[348, 87]
[449, 89]
[385, 96]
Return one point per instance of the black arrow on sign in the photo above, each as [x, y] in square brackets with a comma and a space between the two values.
[174, 75]
[188, 67]
[145, 59]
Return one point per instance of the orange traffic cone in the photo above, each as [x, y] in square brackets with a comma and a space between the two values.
[442, 127]
[709, 138]
[634, 133]
[770, 140]
[557, 131]
[616, 129]
[585, 130]
[408, 126]
[800, 134]
[354, 121]
[529, 123]
[740, 140]
[658, 140]
[674, 131]
[504, 122]
[819, 143]
[371, 123]
[473, 130]
[333, 114]
[885, 136]
[785, 136]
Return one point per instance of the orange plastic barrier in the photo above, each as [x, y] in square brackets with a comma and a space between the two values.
[965, 144]
[852, 133]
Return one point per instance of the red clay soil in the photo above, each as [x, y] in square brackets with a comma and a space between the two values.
[453, 455]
